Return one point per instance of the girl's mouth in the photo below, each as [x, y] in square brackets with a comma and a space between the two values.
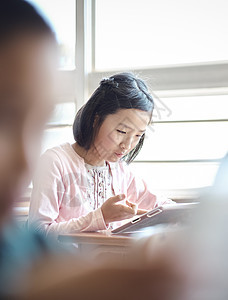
[119, 155]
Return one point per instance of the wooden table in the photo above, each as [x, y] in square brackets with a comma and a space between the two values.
[99, 243]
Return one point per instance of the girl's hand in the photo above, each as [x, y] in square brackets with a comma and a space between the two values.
[135, 207]
[113, 211]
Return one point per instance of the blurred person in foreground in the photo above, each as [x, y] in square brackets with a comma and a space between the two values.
[31, 267]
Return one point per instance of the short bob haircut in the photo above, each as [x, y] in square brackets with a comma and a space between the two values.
[120, 91]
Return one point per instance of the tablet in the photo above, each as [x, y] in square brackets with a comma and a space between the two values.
[167, 214]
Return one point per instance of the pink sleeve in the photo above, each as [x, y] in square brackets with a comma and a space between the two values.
[47, 194]
[139, 192]
[93, 221]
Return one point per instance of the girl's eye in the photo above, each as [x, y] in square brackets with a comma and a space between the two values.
[121, 131]
[138, 135]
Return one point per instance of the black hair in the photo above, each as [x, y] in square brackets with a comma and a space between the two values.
[120, 91]
[17, 16]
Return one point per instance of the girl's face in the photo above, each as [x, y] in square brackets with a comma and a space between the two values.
[27, 75]
[120, 133]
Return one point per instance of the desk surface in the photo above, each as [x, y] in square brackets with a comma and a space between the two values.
[98, 238]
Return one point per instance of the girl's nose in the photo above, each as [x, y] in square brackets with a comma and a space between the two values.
[126, 144]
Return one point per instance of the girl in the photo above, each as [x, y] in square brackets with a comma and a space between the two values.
[80, 187]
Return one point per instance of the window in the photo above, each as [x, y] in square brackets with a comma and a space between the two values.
[184, 145]
[59, 127]
[61, 15]
[180, 49]
[141, 34]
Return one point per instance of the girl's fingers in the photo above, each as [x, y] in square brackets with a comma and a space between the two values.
[135, 207]
[128, 210]
[130, 204]
[142, 211]
[117, 198]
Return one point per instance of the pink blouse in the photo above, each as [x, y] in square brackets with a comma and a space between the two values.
[67, 193]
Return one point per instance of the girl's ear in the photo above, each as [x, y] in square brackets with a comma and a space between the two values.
[95, 120]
